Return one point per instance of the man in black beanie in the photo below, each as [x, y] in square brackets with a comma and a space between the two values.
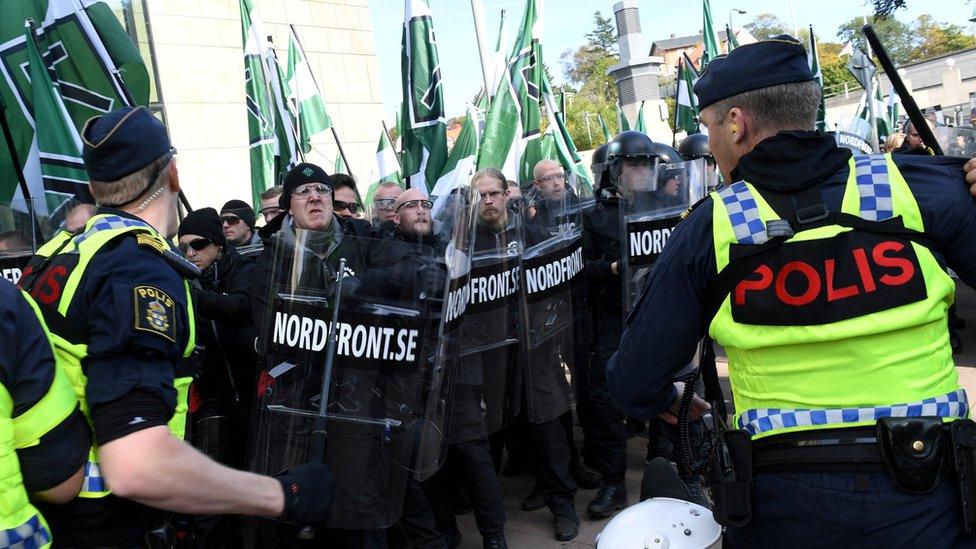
[237, 219]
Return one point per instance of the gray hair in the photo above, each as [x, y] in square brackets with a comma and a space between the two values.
[790, 106]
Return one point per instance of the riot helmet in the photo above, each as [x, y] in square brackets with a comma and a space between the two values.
[630, 159]
[598, 165]
[666, 154]
[695, 146]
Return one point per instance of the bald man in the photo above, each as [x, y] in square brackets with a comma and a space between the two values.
[549, 180]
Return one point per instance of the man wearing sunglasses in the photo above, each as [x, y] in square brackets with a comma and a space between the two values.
[127, 313]
[237, 219]
[345, 199]
[383, 199]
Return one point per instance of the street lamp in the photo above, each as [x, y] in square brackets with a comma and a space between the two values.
[734, 10]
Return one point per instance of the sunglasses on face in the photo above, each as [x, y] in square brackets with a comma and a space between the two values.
[270, 211]
[197, 244]
[384, 203]
[414, 204]
[306, 191]
[339, 205]
[230, 219]
[552, 178]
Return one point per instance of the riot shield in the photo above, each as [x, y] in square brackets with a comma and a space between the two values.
[379, 377]
[956, 141]
[648, 213]
[24, 227]
[551, 263]
[488, 381]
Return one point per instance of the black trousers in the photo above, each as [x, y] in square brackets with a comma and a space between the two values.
[417, 527]
[608, 440]
[550, 460]
[468, 464]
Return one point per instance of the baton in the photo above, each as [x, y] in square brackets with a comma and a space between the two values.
[907, 101]
[319, 430]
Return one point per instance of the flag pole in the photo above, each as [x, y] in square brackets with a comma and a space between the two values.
[9, 140]
[677, 95]
[399, 165]
[478, 13]
[335, 134]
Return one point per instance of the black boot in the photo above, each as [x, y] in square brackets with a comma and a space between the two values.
[495, 542]
[611, 497]
[565, 528]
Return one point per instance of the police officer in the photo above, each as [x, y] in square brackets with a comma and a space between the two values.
[823, 276]
[118, 295]
[601, 233]
[43, 437]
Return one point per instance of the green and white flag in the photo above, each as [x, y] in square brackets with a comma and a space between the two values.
[730, 38]
[640, 125]
[387, 168]
[622, 120]
[498, 60]
[563, 148]
[513, 127]
[460, 164]
[304, 95]
[423, 124]
[711, 49]
[880, 111]
[95, 66]
[893, 110]
[58, 142]
[686, 104]
[340, 164]
[264, 98]
[607, 136]
[814, 59]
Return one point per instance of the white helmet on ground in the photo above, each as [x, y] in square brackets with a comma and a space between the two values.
[661, 523]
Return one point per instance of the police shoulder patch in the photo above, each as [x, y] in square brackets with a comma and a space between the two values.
[146, 239]
[155, 312]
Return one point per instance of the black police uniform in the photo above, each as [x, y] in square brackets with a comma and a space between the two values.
[794, 508]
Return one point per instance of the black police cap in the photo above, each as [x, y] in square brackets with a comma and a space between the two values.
[122, 142]
[779, 60]
[298, 176]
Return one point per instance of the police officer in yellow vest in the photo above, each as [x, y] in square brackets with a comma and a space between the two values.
[824, 278]
[43, 437]
[116, 297]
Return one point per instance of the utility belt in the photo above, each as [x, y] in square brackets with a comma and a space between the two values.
[914, 452]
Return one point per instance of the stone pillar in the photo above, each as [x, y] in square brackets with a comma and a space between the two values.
[637, 75]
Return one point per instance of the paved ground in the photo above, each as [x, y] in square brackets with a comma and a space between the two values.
[534, 530]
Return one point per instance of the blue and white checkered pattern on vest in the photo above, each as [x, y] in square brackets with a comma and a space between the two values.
[93, 482]
[743, 214]
[108, 222]
[29, 535]
[871, 175]
[952, 405]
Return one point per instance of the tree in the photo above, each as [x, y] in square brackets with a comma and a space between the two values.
[886, 8]
[766, 25]
[833, 67]
[604, 36]
[935, 38]
[897, 37]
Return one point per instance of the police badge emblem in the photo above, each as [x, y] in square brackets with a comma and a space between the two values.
[155, 312]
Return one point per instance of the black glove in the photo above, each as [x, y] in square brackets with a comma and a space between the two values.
[309, 491]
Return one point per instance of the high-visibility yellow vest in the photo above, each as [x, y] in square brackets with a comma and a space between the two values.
[99, 231]
[837, 327]
[21, 525]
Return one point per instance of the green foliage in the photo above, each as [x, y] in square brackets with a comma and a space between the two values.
[604, 36]
[766, 25]
[905, 43]
[833, 66]
[896, 36]
[672, 106]
[935, 38]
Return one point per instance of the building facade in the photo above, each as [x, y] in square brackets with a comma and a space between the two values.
[194, 52]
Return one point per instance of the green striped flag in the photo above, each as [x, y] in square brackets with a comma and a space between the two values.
[607, 136]
[95, 66]
[387, 167]
[304, 95]
[460, 164]
[711, 49]
[622, 120]
[423, 125]
[640, 125]
[58, 142]
[513, 127]
[685, 107]
[340, 165]
[814, 58]
[563, 149]
[730, 38]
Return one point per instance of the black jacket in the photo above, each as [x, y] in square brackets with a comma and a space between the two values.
[225, 330]
[601, 248]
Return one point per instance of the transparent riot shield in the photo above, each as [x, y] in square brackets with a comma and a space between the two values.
[378, 375]
[956, 141]
[649, 210]
[551, 263]
[24, 227]
[488, 381]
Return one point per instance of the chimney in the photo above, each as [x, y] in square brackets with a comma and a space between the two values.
[637, 73]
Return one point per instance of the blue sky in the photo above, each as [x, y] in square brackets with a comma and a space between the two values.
[566, 21]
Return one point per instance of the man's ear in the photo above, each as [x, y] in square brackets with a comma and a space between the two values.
[174, 176]
[396, 219]
[738, 125]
